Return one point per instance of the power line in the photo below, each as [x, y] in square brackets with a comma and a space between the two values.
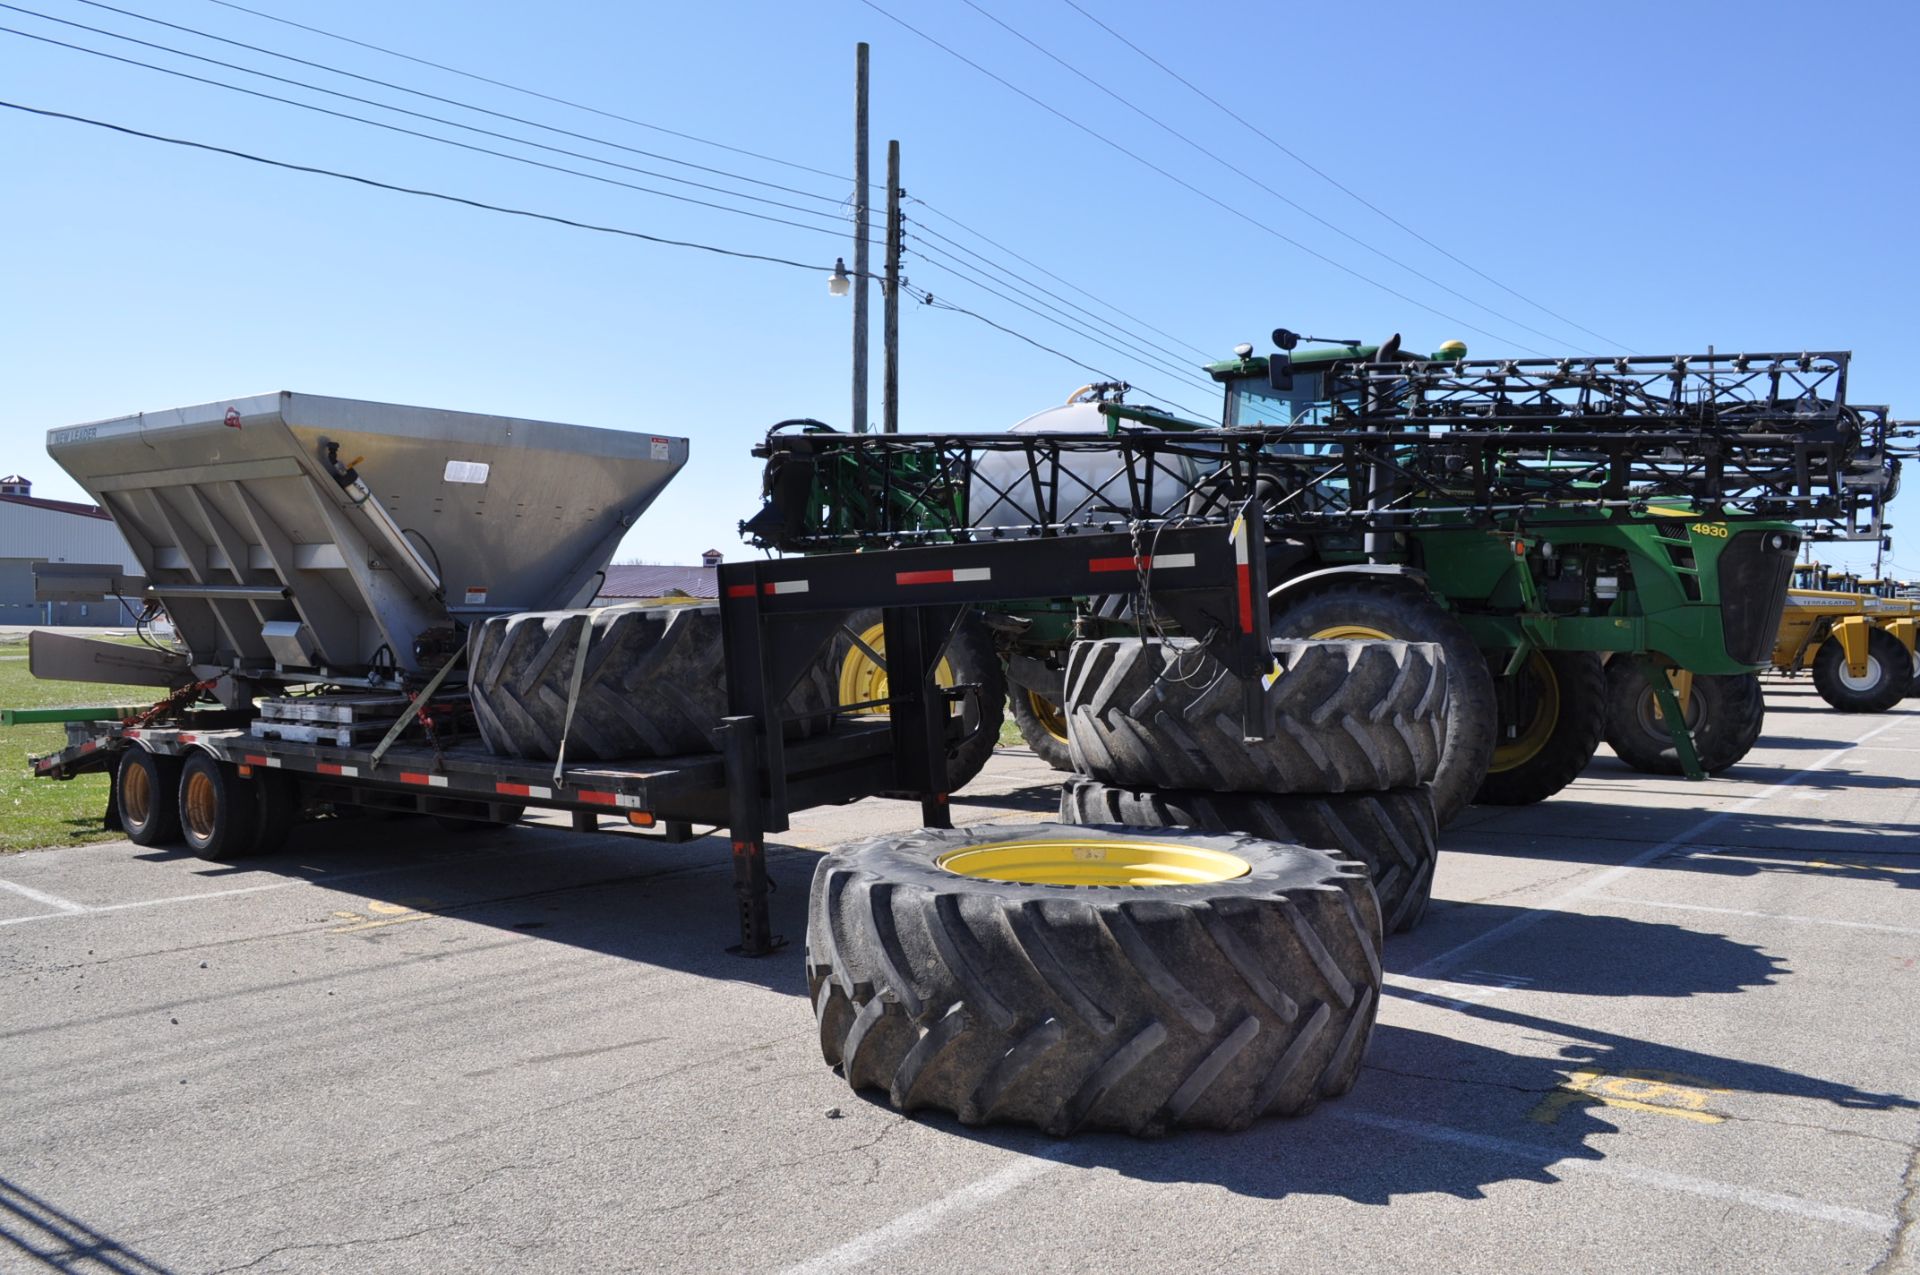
[545, 97]
[1329, 178]
[432, 97]
[436, 119]
[553, 218]
[444, 141]
[1187, 185]
[925, 232]
[291, 167]
[955, 221]
[940, 304]
[99, 4]
[960, 270]
[1234, 168]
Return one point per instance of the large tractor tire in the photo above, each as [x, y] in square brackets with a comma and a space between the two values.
[1341, 717]
[1888, 675]
[1371, 610]
[146, 794]
[857, 660]
[1043, 725]
[1394, 833]
[1094, 978]
[1725, 714]
[654, 683]
[1558, 712]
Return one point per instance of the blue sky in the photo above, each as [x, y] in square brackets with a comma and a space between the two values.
[1666, 176]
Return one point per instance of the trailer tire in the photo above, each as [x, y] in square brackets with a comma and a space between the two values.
[1727, 714]
[146, 792]
[1042, 725]
[279, 797]
[1370, 609]
[654, 683]
[1395, 834]
[1564, 698]
[1888, 677]
[1341, 717]
[1089, 1005]
[970, 658]
[219, 811]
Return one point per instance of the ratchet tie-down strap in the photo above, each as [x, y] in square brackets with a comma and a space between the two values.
[573, 696]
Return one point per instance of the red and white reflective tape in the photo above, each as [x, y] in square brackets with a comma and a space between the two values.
[958, 575]
[89, 746]
[1243, 574]
[420, 777]
[1152, 562]
[334, 768]
[595, 798]
[255, 759]
[131, 734]
[186, 738]
[524, 790]
[769, 588]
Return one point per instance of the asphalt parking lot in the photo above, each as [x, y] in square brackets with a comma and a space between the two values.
[1648, 1025]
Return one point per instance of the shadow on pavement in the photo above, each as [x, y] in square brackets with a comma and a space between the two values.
[1578, 954]
[1428, 1114]
[626, 896]
[1043, 798]
[44, 1236]
[1593, 1048]
[1739, 842]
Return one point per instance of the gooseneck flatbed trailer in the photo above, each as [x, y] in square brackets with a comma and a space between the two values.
[298, 561]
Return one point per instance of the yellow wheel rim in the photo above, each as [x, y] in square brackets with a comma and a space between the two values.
[1094, 860]
[1048, 714]
[1538, 730]
[863, 679]
[197, 804]
[136, 794]
[1350, 633]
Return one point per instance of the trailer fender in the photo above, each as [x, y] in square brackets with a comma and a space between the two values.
[1852, 631]
[1412, 576]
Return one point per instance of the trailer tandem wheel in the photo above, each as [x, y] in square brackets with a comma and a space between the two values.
[146, 793]
[1080, 978]
[219, 811]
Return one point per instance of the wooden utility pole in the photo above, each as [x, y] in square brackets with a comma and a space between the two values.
[890, 382]
[860, 274]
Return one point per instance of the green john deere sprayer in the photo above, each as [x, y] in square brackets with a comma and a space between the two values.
[1568, 530]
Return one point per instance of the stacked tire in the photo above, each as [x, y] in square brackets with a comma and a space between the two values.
[1355, 733]
[1144, 965]
[651, 683]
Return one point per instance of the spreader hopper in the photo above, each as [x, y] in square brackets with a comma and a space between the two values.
[298, 538]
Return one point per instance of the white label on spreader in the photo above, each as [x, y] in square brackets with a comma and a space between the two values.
[476, 597]
[467, 471]
[663, 449]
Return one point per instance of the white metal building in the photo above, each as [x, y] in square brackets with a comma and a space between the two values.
[35, 530]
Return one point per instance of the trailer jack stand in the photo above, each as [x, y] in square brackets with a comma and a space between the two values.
[1671, 715]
